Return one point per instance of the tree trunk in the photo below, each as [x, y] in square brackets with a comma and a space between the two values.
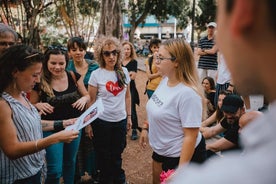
[111, 19]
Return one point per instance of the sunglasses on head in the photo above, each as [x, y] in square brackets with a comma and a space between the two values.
[108, 53]
[57, 47]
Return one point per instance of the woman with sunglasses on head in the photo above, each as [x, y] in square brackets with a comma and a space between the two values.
[60, 97]
[110, 83]
[175, 110]
[22, 144]
[86, 155]
[131, 64]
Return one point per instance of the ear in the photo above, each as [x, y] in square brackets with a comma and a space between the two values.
[14, 73]
[243, 17]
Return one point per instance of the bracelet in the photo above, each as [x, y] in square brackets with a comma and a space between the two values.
[58, 125]
[36, 145]
[147, 129]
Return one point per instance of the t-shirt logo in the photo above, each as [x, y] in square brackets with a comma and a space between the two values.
[113, 88]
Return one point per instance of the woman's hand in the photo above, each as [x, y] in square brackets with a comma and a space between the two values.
[81, 103]
[129, 123]
[143, 138]
[89, 131]
[67, 136]
[44, 108]
[68, 122]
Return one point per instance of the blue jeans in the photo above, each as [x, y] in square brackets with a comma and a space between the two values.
[110, 142]
[61, 160]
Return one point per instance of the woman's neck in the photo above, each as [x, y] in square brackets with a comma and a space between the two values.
[13, 91]
[172, 81]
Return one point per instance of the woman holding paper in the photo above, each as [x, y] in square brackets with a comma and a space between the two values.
[110, 83]
[60, 96]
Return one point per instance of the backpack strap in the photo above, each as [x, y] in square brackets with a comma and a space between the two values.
[150, 63]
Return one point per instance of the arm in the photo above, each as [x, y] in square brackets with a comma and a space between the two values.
[128, 107]
[188, 146]
[151, 75]
[209, 132]
[213, 50]
[92, 91]
[220, 145]
[132, 75]
[43, 108]
[209, 120]
[81, 103]
[48, 125]
[13, 148]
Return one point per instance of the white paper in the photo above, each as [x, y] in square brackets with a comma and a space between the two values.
[88, 116]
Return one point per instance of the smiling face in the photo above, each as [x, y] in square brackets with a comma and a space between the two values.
[26, 80]
[77, 53]
[56, 64]
[206, 85]
[110, 56]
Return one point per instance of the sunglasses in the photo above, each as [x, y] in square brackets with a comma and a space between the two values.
[7, 43]
[108, 53]
[57, 47]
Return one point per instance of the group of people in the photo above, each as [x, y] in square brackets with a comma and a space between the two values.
[42, 94]
[175, 128]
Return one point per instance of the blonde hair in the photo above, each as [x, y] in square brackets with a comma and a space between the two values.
[133, 53]
[186, 71]
[98, 49]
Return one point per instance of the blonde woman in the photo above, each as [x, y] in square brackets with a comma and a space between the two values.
[130, 63]
[175, 110]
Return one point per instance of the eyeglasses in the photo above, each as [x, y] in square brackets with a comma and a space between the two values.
[160, 59]
[108, 53]
[7, 43]
[57, 47]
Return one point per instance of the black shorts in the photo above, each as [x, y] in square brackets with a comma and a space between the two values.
[199, 156]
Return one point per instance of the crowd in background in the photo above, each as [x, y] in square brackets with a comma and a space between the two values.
[194, 110]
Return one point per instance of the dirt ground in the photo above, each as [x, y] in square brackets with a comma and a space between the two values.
[136, 160]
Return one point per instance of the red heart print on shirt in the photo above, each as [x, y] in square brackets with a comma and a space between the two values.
[113, 88]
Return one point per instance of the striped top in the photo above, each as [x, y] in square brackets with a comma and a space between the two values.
[28, 127]
[208, 61]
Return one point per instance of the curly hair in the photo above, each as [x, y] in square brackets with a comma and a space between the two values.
[102, 41]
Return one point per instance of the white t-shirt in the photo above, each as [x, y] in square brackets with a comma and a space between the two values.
[169, 110]
[112, 95]
[224, 75]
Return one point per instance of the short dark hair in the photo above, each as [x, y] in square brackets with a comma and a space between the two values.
[154, 41]
[78, 40]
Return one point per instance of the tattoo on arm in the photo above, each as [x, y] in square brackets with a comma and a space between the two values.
[44, 124]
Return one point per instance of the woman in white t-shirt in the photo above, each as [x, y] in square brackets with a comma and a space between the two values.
[110, 82]
[175, 110]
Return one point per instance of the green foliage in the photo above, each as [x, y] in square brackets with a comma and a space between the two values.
[208, 8]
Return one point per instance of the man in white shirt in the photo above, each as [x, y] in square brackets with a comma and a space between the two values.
[251, 60]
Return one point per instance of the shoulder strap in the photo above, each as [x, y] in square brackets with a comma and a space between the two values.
[150, 63]
[74, 77]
